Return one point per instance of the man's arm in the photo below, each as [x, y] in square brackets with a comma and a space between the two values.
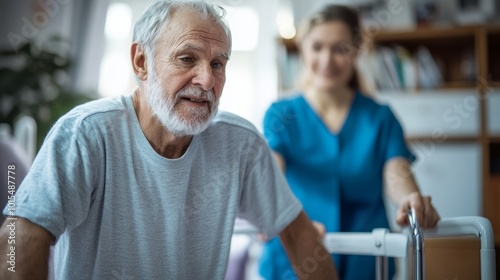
[31, 244]
[305, 250]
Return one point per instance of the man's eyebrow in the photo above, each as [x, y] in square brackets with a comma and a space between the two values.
[224, 55]
[200, 49]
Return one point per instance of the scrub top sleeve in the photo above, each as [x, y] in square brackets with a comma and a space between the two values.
[276, 121]
[393, 139]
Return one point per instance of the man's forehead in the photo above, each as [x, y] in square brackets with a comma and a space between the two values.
[195, 33]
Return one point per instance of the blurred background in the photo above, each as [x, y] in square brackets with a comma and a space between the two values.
[437, 63]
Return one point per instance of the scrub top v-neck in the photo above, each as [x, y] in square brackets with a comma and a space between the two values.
[309, 108]
[338, 177]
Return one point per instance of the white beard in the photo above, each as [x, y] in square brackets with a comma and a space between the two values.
[195, 120]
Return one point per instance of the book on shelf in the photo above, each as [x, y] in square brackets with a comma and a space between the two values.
[428, 70]
[396, 69]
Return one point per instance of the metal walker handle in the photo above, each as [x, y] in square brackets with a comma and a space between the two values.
[417, 238]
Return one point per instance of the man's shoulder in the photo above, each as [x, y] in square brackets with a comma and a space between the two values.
[229, 121]
[99, 107]
[104, 109]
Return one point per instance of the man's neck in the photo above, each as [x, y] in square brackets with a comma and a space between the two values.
[163, 141]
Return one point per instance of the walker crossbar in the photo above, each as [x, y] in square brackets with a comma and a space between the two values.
[382, 244]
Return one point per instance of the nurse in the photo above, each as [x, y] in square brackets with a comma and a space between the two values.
[337, 146]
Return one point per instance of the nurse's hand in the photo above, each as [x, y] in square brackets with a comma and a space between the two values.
[427, 216]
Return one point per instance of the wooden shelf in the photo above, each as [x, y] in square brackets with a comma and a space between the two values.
[458, 85]
[493, 29]
[420, 34]
[416, 35]
[447, 87]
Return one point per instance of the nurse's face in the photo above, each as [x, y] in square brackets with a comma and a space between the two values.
[328, 55]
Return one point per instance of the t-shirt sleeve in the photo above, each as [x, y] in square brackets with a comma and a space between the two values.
[276, 120]
[56, 192]
[393, 138]
[266, 200]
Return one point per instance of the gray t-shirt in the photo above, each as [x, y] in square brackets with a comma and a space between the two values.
[121, 211]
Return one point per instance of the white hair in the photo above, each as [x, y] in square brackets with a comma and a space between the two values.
[148, 27]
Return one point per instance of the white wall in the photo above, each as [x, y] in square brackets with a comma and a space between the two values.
[257, 68]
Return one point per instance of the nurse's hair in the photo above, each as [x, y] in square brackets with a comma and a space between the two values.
[331, 13]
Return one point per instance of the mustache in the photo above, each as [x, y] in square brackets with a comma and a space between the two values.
[195, 92]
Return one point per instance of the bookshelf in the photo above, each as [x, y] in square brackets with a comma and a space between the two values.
[450, 47]
[479, 48]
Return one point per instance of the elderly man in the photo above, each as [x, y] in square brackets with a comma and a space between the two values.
[148, 186]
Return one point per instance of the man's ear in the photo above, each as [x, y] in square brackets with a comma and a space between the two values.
[139, 61]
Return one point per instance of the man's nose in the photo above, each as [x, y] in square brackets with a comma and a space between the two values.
[204, 77]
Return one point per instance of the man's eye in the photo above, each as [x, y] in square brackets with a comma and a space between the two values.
[217, 65]
[187, 59]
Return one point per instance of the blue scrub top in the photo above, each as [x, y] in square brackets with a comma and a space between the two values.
[338, 177]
